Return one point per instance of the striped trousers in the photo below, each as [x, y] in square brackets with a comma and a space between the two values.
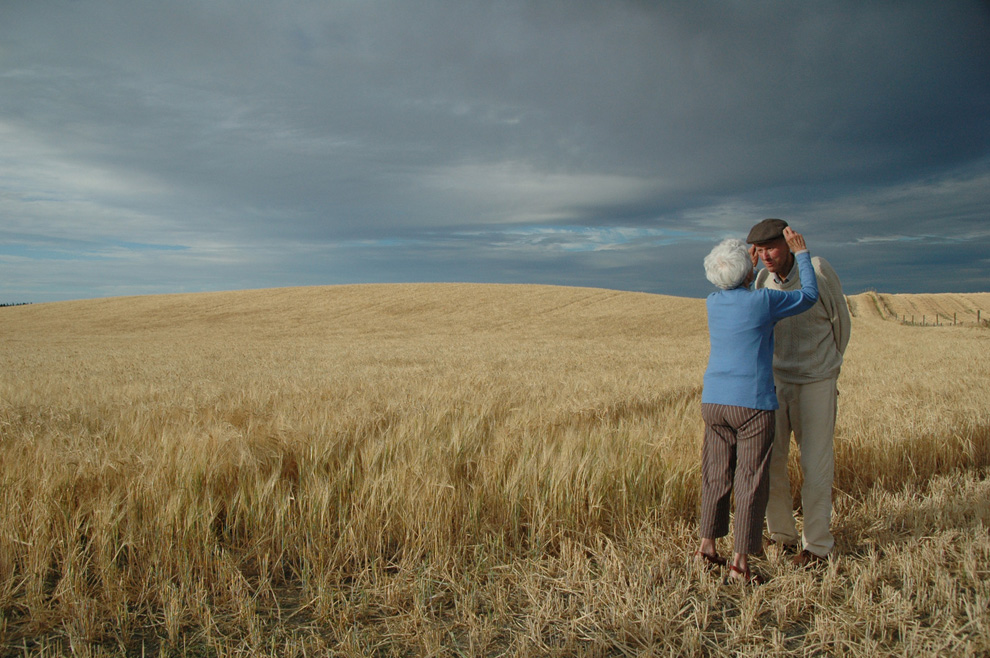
[735, 459]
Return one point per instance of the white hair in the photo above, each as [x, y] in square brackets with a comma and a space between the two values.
[728, 263]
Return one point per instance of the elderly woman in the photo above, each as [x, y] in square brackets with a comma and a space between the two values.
[739, 399]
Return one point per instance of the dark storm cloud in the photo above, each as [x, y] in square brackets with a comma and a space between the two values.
[153, 147]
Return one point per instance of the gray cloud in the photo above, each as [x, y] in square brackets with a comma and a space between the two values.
[219, 145]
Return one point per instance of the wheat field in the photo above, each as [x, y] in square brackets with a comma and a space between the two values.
[460, 470]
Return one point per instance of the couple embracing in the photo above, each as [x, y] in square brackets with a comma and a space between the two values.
[777, 340]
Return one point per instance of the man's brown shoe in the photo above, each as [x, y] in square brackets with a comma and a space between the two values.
[806, 559]
[787, 548]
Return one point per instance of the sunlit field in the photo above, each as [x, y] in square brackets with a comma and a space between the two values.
[460, 470]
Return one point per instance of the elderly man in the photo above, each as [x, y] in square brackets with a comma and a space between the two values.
[808, 351]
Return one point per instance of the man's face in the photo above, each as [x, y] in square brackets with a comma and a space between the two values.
[776, 256]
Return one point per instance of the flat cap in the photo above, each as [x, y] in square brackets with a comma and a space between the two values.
[768, 229]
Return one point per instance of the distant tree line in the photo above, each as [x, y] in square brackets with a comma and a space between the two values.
[15, 304]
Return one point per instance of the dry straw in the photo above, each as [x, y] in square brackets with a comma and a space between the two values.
[456, 470]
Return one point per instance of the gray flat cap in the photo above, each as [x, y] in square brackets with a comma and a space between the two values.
[767, 230]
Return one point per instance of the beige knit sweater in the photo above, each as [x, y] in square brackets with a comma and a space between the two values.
[808, 347]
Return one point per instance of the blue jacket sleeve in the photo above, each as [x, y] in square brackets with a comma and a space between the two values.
[785, 304]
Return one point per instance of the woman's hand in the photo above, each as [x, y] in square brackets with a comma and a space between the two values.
[794, 240]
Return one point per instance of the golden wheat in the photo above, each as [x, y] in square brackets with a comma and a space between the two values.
[451, 470]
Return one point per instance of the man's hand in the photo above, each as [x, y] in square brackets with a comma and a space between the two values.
[794, 240]
[753, 256]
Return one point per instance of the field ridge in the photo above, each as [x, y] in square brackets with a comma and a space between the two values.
[965, 308]
[435, 306]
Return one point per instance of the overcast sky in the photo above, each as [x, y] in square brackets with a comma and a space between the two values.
[185, 146]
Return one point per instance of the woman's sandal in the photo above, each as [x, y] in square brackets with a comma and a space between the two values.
[711, 562]
[748, 578]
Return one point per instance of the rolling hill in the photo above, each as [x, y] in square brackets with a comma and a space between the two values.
[965, 308]
[403, 308]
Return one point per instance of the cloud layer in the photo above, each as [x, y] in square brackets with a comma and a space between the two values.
[185, 146]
